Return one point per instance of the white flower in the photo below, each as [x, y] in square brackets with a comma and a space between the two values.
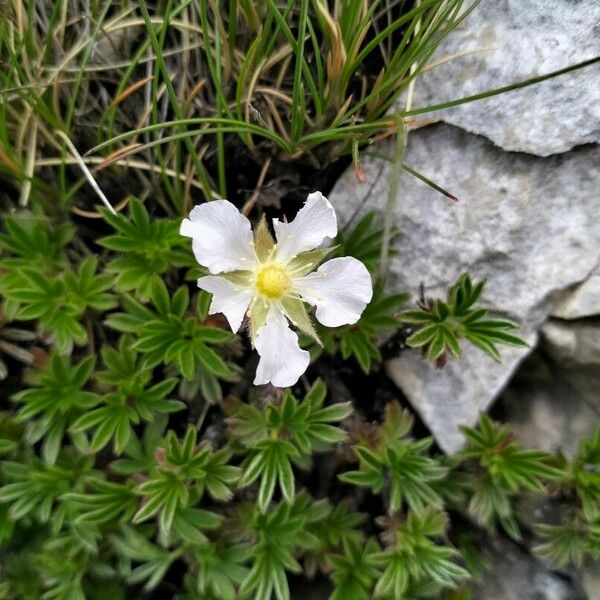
[270, 281]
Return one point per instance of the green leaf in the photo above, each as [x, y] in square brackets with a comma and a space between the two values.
[204, 300]
[423, 336]
[443, 324]
[214, 335]
[160, 297]
[210, 360]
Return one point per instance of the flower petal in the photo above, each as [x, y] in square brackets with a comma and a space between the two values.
[221, 237]
[314, 222]
[340, 288]
[228, 298]
[282, 361]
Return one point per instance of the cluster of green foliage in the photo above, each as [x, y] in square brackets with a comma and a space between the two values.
[577, 534]
[39, 281]
[441, 325]
[127, 454]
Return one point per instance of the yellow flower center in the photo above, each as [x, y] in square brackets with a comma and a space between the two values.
[272, 281]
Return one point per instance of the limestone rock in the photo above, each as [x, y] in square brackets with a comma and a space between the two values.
[516, 575]
[575, 350]
[529, 225]
[573, 342]
[590, 575]
[517, 40]
[546, 406]
[584, 301]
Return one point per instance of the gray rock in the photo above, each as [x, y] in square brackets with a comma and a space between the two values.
[546, 408]
[573, 342]
[584, 301]
[527, 224]
[455, 396]
[517, 40]
[586, 380]
[575, 348]
[590, 579]
[516, 575]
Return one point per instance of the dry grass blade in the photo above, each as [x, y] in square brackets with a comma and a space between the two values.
[134, 87]
[86, 171]
[117, 155]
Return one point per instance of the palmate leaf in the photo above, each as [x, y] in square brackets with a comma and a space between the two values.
[413, 557]
[104, 502]
[123, 369]
[113, 420]
[66, 563]
[166, 334]
[140, 455]
[35, 489]
[569, 543]
[58, 301]
[267, 574]
[402, 462]
[577, 537]
[147, 249]
[33, 241]
[441, 325]
[279, 535]
[499, 469]
[219, 569]
[178, 479]
[357, 344]
[279, 436]
[271, 461]
[330, 524]
[584, 476]
[307, 423]
[153, 560]
[164, 493]
[58, 396]
[132, 400]
[507, 464]
[355, 570]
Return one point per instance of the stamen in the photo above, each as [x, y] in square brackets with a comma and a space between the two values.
[273, 281]
[272, 252]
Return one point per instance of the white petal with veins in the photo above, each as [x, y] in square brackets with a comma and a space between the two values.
[314, 222]
[221, 237]
[228, 298]
[282, 361]
[341, 288]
